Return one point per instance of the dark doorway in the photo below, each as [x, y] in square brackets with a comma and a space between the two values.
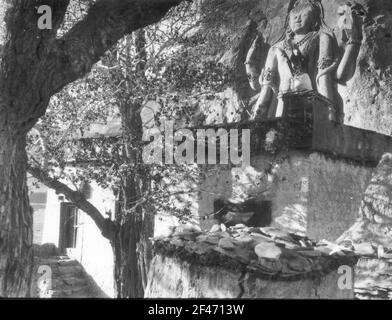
[69, 222]
[251, 213]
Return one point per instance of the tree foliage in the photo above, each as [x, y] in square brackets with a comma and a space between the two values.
[179, 71]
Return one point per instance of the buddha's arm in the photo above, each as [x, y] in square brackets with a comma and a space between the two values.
[350, 24]
[263, 103]
[326, 61]
[268, 83]
[252, 64]
[348, 63]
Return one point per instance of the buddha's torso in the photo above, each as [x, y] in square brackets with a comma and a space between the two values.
[298, 68]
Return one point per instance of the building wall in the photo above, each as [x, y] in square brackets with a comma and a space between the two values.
[38, 222]
[38, 198]
[336, 189]
[92, 250]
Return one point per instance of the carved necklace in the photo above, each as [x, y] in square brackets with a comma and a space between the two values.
[305, 40]
[296, 58]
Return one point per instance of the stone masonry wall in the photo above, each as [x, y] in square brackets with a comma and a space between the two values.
[310, 193]
[173, 278]
[243, 262]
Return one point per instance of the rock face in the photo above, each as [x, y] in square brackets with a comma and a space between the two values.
[371, 235]
[375, 214]
[367, 96]
[373, 279]
[376, 205]
[258, 263]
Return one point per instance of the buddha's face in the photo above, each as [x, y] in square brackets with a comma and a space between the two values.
[302, 20]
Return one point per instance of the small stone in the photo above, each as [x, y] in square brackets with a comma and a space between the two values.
[201, 248]
[270, 266]
[290, 246]
[260, 238]
[299, 264]
[310, 253]
[215, 228]
[201, 238]
[224, 234]
[254, 230]
[225, 243]
[186, 229]
[244, 239]
[239, 226]
[364, 249]
[212, 240]
[177, 242]
[381, 253]
[268, 250]
[276, 233]
[225, 252]
[188, 236]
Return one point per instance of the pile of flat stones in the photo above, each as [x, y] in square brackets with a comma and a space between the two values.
[373, 272]
[265, 251]
[373, 279]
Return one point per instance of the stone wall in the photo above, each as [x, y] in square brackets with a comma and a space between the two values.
[173, 278]
[335, 192]
[310, 193]
[242, 262]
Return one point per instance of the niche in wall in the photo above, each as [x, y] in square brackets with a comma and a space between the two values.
[251, 213]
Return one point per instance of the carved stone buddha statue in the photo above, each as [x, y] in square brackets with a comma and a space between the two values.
[306, 58]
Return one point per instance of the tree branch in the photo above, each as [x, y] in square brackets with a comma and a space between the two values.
[106, 22]
[24, 59]
[106, 226]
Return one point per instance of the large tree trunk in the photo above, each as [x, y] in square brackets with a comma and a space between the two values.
[35, 65]
[16, 257]
[132, 254]
[132, 248]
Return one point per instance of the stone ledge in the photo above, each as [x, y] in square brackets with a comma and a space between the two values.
[266, 253]
[311, 131]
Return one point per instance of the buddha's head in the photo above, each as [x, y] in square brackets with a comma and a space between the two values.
[306, 16]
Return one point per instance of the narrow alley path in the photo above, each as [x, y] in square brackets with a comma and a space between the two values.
[62, 277]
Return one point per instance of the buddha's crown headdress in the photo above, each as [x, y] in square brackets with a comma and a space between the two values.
[316, 5]
[312, 2]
